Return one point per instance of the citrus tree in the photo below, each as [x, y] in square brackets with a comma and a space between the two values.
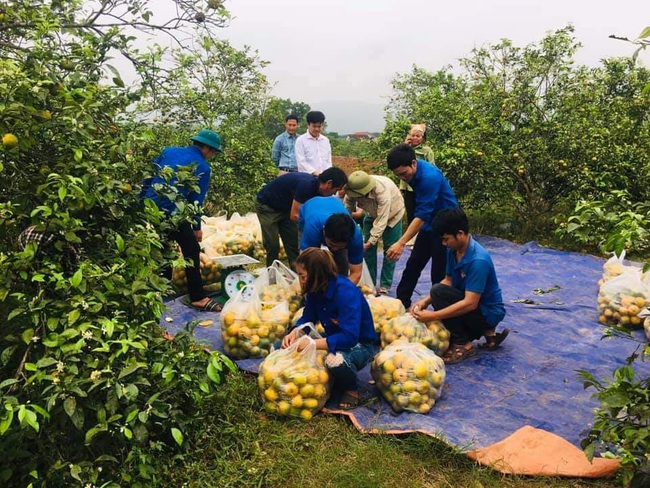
[92, 391]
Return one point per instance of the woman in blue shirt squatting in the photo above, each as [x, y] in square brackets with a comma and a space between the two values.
[335, 302]
[468, 300]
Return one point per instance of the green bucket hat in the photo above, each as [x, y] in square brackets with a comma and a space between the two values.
[359, 184]
[209, 138]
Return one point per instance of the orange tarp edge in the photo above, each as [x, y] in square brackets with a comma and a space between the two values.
[528, 451]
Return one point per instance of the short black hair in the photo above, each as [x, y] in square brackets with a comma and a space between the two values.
[339, 227]
[450, 221]
[291, 117]
[315, 117]
[402, 155]
[336, 175]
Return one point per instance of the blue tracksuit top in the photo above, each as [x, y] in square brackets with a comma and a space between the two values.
[344, 313]
[432, 192]
[175, 157]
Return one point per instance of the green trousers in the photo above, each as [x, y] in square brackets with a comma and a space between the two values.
[390, 236]
[276, 224]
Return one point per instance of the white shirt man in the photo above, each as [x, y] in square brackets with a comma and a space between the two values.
[313, 150]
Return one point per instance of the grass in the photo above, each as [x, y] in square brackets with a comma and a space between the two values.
[243, 447]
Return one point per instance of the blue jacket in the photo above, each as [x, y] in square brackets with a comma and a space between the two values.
[175, 157]
[432, 192]
[475, 272]
[311, 220]
[344, 313]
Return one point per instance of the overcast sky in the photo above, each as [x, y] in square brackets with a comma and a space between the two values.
[349, 50]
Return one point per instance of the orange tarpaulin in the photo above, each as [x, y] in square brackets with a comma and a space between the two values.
[534, 451]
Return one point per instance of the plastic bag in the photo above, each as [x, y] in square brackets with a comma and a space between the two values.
[383, 309]
[279, 283]
[295, 383]
[615, 266]
[433, 334]
[622, 298]
[409, 376]
[210, 275]
[248, 331]
[365, 283]
[319, 327]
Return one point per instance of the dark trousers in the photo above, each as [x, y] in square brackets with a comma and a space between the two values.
[191, 249]
[426, 247]
[274, 225]
[464, 328]
[409, 205]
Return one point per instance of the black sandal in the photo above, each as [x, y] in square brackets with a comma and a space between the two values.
[494, 341]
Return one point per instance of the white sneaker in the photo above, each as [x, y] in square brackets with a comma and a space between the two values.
[383, 291]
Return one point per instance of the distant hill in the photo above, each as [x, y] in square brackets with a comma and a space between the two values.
[346, 117]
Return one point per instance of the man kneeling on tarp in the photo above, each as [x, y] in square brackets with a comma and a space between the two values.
[468, 300]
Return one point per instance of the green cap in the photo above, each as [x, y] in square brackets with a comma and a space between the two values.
[359, 184]
[209, 138]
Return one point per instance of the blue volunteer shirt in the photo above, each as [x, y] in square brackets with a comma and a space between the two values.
[475, 272]
[344, 313]
[283, 151]
[432, 192]
[314, 214]
[175, 157]
[280, 192]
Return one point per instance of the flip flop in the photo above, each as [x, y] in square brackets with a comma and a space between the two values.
[458, 353]
[210, 306]
[492, 342]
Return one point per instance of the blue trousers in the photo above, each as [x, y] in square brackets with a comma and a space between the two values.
[344, 365]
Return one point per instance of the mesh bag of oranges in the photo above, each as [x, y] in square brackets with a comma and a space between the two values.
[383, 309]
[210, 275]
[621, 299]
[433, 334]
[294, 381]
[247, 330]
[278, 283]
[409, 375]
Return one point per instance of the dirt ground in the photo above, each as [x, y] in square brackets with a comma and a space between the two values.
[350, 164]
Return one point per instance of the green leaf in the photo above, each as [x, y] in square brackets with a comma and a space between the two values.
[27, 336]
[130, 369]
[644, 33]
[127, 433]
[6, 420]
[70, 405]
[118, 81]
[177, 435]
[73, 316]
[75, 471]
[120, 243]
[78, 155]
[63, 191]
[93, 432]
[213, 374]
[132, 414]
[75, 281]
[8, 382]
[78, 418]
[31, 419]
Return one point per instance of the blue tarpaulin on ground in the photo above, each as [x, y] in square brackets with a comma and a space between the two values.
[531, 380]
